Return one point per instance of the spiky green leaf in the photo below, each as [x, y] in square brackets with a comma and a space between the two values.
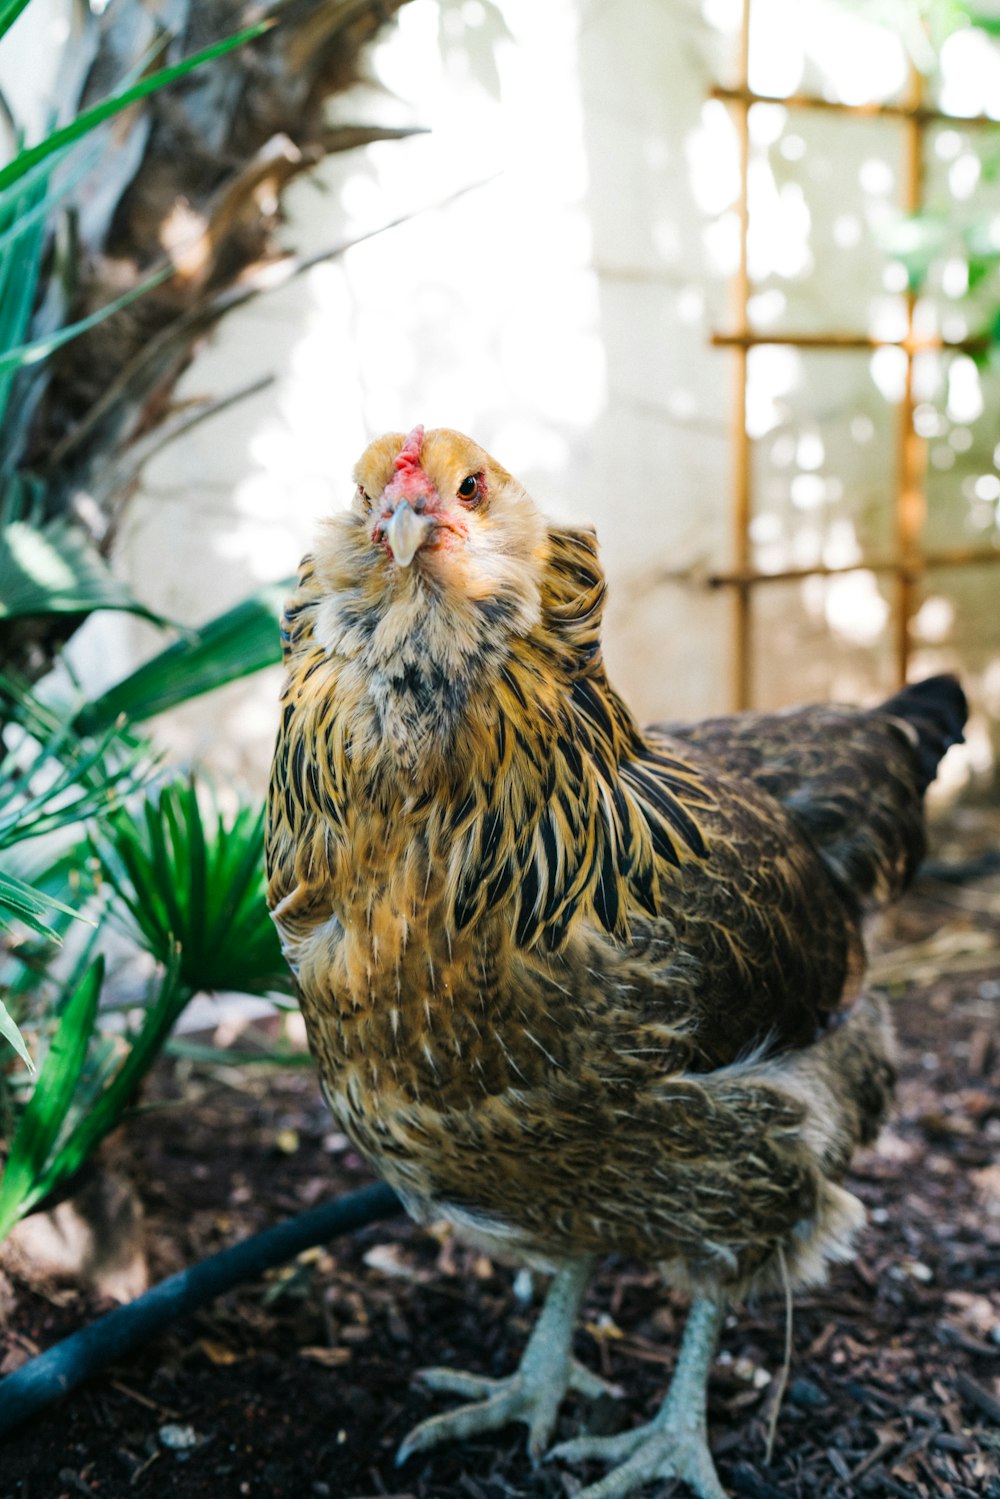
[24, 1177]
[91, 118]
[192, 881]
[10, 1032]
[54, 569]
[243, 640]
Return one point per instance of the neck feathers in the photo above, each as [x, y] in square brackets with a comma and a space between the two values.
[503, 761]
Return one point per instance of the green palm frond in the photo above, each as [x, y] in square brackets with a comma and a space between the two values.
[51, 778]
[50, 566]
[31, 1150]
[9, 12]
[32, 156]
[23, 228]
[193, 881]
[10, 1033]
[83, 1089]
[243, 640]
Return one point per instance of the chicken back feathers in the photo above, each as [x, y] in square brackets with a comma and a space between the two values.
[576, 986]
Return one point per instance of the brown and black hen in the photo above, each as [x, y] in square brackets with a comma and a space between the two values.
[576, 986]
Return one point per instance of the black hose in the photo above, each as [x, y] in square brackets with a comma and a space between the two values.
[61, 1368]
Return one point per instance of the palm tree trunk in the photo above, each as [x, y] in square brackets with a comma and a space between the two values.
[194, 176]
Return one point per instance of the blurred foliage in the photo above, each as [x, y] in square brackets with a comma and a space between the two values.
[93, 833]
[83, 836]
[925, 25]
[969, 230]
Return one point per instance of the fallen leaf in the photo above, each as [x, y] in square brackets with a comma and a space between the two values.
[218, 1353]
[331, 1358]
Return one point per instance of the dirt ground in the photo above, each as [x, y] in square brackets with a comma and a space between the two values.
[301, 1386]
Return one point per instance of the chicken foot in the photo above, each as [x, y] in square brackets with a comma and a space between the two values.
[533, 1394]
[675, 1443]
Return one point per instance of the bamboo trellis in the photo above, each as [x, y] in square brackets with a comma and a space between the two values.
[909, 559]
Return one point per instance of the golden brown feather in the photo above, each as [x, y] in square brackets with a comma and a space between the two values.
[576, 986]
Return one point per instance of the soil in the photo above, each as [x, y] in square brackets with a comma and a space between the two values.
[303, 1384]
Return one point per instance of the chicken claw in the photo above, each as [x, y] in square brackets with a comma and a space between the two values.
[533, 1394]
[675, 1443]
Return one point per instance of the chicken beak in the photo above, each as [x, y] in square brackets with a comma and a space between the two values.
[406, 532]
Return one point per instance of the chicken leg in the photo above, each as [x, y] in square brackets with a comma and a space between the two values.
[675, 1443]
[533, 1394]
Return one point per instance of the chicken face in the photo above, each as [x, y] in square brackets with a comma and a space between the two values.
[440, 505]
[427, 581]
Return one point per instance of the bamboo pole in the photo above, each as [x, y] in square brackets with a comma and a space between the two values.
[748, 339]
[742, 623]
[910, 503]
[913, 569]
[907, 110]
[908, 563]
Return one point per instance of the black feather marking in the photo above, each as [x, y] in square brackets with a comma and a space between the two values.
[571, 755]
[606, 902]
[514, 685]
[626, 835]
[297, 768]
[656, 794]
[570, 806]
[590, 704]
[499, 884]
[467, 902]
[462, 811]
[661, 841]
[501, 739]
[489, 837]
[550, 846]
[528, 896]
[528, 749]
[641, 885]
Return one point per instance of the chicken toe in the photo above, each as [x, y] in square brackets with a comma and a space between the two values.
[533, 1394]
[675, 1443]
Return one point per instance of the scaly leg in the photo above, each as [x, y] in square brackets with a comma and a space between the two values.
[532, 1395]
[675, 1443]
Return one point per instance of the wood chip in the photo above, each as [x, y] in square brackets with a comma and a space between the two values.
[978, 1395]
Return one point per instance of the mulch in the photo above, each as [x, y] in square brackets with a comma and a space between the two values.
[302, 1385]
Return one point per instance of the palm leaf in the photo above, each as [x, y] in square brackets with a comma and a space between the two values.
[24, 1176]
[20, 901]
[243, 640]
[52, 778]
[193, 882]
[41, 348]
[102, 1093]
[54, 569]
[20, 268]
[83, 1090]
[91, 118]
[11, 1033]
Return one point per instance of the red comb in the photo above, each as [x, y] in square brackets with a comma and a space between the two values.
[408, 456]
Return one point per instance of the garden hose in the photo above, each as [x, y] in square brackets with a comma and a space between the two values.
[61, 1368]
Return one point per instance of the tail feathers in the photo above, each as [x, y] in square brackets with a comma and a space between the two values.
[934, 712]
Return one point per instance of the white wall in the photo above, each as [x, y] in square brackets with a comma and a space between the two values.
[561, 314]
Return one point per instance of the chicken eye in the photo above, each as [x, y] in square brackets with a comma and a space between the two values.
[470, 488]
[363, 497]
